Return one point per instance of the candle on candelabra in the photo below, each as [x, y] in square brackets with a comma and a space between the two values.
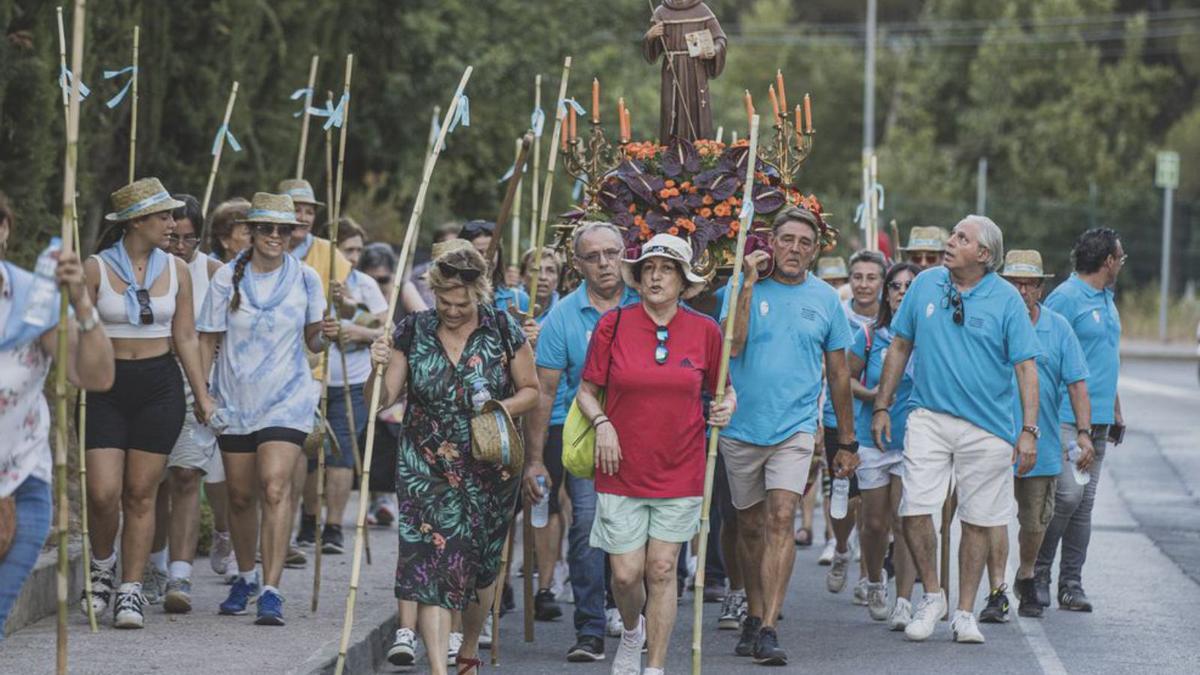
[807, 114]
[621, 119]
[564, 131]
[749, 107]
[596, 100]
[799, 134]
[775, 104]
[628, 126]
[571, 125]
[782, 93]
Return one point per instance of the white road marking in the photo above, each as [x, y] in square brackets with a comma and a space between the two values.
[1155, 389]
[1039, 644]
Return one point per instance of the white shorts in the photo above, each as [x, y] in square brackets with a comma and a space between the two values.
[876, 468]
[937, 445]
[196, 445]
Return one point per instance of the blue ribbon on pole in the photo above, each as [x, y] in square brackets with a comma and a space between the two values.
[302, 93]
[337, 116]
[537, 121]
[562, 107]
[64, 80]
[747, 209]
[222, 134]
[462, 114]
[862, 207]
[110, 74]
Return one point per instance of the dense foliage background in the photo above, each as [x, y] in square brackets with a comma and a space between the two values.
[1068, 100]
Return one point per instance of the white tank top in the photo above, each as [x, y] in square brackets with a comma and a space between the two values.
[199, 272]
[111, 306]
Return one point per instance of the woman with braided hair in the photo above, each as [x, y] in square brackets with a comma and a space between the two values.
[265, 307]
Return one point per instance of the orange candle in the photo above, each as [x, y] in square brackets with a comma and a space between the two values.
[796, 122]
[628, 126]
[596, 99]
[621, 120]
[774, 103]
[563, 132]
[573, 129]
[807, 114]
[749, 108]
[782, 93]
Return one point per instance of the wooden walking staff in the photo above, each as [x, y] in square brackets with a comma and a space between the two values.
[539, 239]
[514, 256]
[510, 195]
[60, 359]
[498, 596]
[308, 96]
[735, 285]
[537, 165]
[216, 163]
[133, 109]
[410, 237]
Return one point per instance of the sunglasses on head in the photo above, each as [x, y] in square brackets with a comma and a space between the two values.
[145, 313]
[660, 351]
[477, 227]
[267, 229]
[954, 300]
[449, 271]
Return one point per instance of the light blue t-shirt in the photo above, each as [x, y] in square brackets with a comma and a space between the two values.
[828, 415]
[1060, 363]
[261, 377]
[967, 370]
[881, 339]
[563, 342]
[1097, 324]
[791, 328]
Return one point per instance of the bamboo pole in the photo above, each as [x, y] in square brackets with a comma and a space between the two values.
[216, 164]
[514, 256]
[498, 595]
[538, 242]
[735, 285]
[308, 97]
[318, 542]
[137, 30]
[527, 555]
[82, 425]
[394, 297]
[60, 360]
[348, 400]
[535, 178]
[510, 195]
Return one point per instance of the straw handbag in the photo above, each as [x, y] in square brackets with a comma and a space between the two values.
[8, 524]
[495, 438]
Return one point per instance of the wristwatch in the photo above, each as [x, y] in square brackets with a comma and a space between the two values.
[851, 447]
[1037, 433]
[89, 324]
[1083, 430]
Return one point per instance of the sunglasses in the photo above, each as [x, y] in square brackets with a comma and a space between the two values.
[954, 300]
[145, 313]
[477, 227]
[450, 271]
[596, 257]
[268, 229]
[660, 351]
[899, 285]
[930, 258]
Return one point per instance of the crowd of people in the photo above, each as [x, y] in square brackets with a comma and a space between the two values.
[890, 387]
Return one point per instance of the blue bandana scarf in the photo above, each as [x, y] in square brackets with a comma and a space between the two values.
[117, 258]
[16, 333]
[301, 251]
[283, 285]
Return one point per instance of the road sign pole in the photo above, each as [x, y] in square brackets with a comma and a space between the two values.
[1165, 278]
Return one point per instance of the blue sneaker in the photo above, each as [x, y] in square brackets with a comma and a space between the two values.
[239, 596]
[270, 609]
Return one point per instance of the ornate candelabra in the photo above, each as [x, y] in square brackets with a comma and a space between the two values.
[592, 159]
[790, 148]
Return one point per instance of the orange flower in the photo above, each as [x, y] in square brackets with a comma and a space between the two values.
[665, 193]
[686, 184]
[722, 209]
[673, 230]
[706, 212]
[638, 220]
[669, 183]
[674, 192]
[633, 208]
[707, 200]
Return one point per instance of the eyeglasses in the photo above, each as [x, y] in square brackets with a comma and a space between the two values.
[899, 285]
[189, 239]
[595, 257]
[468, 275]
[660, 351]
[267, 229]
[954, 299]
[929, 258]
[145, 313]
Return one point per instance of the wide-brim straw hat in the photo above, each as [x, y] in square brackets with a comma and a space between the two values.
[269, 208]
[141, 198]
[833, 267]
[300, 190]
[495, 438]
[926, 239]
[441, 248]
[1024, 264]
[672, 248]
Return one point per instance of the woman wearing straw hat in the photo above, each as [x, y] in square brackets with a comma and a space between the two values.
[264, 308]
[144, 297]
[454, 509]
[28, 339]
[655, 361]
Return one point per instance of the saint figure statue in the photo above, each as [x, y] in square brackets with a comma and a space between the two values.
[687, 36]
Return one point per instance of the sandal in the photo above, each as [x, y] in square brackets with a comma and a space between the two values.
[466, 664]
[807, 539]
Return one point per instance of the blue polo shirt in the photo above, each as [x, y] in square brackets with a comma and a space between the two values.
[1097, 324]
[563, 343]
[967, 371]
[791, 328]
[881, 339]
[1060, 363]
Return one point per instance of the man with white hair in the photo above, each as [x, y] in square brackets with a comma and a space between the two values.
[972, 330]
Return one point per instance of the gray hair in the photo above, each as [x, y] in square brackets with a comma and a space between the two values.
[991, 238]
[589, 226]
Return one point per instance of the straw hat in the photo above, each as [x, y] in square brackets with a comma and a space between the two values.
[926, 239]
[1026, 264]
[299, 190]
[141, 198]
[269, 208]
[670, 247]
[833, 267]
[441, 248]
[495, 438]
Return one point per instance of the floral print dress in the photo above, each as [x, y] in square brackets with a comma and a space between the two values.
[454, 511]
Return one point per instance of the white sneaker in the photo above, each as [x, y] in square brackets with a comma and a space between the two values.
[456, 640]
[828, 552]
[835, 579]
[964, 628]
[628, 660]
[154, 584]
[929, 612]
[859, 596]
[485, 633]
[220, 553]
[403, 651]
[901, 614]
[612, 622]
[877, 600]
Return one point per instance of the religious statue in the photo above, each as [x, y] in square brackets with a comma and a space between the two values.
[687, 34]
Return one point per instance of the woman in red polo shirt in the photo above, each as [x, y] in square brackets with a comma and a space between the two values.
[654, 361]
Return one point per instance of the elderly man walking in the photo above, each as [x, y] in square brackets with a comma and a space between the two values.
[784, 330]
[1086, 300]
[972, 331]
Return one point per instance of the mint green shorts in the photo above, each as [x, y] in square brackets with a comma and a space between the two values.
[623, 524]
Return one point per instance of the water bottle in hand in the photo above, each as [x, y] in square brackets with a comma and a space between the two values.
[539, 515]
[840, 503]
[41, 310]
[479, 394]
[1073, 452]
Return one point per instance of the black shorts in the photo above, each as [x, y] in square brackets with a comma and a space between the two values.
[144, 410]
[244, 443]
[552, 454]
[831, 441]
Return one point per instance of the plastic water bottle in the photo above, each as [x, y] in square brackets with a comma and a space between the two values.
[1081, 477]
[479, 394]
[41, 310]
[539, 515]
[840, 503]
